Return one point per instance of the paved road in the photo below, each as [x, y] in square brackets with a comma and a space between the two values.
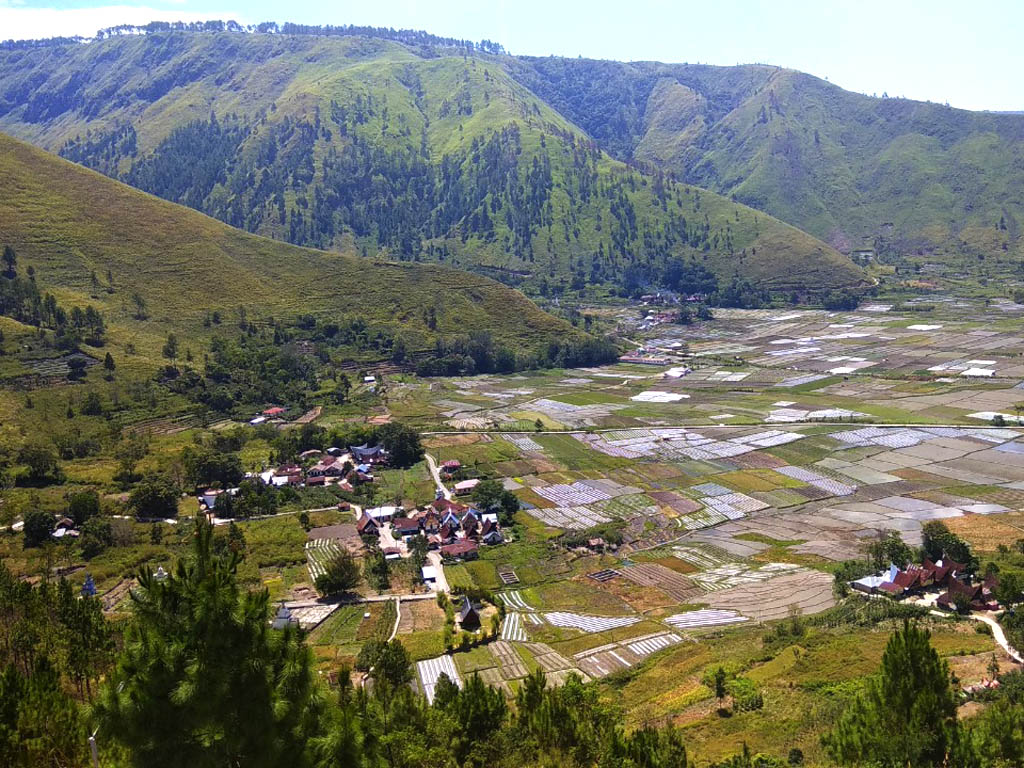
[435, 472]
[719, 425]
[434, 558]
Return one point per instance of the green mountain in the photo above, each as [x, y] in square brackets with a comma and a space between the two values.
[93, 241]
[419, 152]
[896, 175]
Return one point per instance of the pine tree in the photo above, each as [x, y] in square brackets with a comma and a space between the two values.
[10, 261]
[203, 680]
[907, 715]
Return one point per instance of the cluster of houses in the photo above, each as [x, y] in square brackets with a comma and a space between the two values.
[956, 587]
[455, 530]
[346, 469]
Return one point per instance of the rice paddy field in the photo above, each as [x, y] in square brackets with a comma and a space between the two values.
[766, 448]
[674, 515]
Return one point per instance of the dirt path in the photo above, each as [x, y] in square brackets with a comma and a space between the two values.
[436, 474]
[997, 631]
[999, 635]
[398, 618]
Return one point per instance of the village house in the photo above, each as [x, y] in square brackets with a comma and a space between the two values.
[490, 533]
[209, 497]
[430, 522]
[405, 527]
[466, 487]
[460, 549]
[468, 615]
[428, 575]
[382, 514]
[329, 466]
[367, 526]
[286, 474]
[369, 454]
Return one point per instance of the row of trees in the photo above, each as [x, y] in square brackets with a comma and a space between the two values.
[21, 299]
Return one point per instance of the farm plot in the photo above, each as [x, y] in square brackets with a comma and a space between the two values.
[573, 518]
[703, 556]
[827, 484]
[430, 671]
[738, 574]
[420, 616]
[602, 661]
[522, 442]
[705, 518]
[549, 659]
[588, 624]
[676, 585]
[515, 601]
[733, 505]
[625, 507]
[512, 628]
[803, 590]
[508, 659]
[318, 553]
[704, 618]
[309, 614]
[679, 504]
[572, 495]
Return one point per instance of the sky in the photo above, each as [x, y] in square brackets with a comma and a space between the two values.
[967, 54]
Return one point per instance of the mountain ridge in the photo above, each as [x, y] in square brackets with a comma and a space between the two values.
[339, 142]
[186, 265]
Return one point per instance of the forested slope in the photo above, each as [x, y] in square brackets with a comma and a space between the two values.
[894, 174]
[423, 153]
[83, 234]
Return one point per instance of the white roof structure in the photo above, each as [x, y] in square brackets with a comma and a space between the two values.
[429, 573]
[382, 513]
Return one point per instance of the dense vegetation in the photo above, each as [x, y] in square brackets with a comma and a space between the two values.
[424, 156]
[175, 684]
[158, 269]
[894, 175]
[21, 300]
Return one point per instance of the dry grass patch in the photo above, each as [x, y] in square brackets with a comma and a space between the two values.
[987, 532]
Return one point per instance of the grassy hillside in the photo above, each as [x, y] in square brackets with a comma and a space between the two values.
[70, 224]
[894, 174]
[422, 154]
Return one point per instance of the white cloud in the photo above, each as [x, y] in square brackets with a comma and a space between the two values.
[21, 23]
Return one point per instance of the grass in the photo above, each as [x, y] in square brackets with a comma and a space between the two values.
[423, 645]
[185, 264]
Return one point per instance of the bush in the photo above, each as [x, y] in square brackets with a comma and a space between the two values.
[155, 497]
[341, 574]
[38, 527]
[97, 535]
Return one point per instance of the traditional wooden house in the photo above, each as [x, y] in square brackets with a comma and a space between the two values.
[468, 615]
[367, 526]
[369, 454]
[490, 533]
